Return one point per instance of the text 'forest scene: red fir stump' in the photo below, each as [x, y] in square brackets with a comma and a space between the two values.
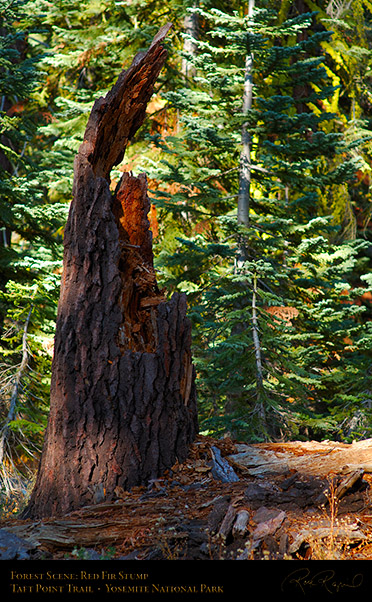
[123, 400]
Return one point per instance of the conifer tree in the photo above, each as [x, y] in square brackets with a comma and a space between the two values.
[270, 331]
[87, 44]
[29, 253]
[287, 330]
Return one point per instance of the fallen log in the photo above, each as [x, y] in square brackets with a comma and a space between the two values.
[348, 534]
[316, 458]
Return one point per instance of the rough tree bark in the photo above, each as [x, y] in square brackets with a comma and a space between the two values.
[123, 400]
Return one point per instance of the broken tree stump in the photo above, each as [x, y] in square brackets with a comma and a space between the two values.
[123, 400]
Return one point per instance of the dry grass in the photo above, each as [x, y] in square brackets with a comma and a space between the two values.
[334, 545]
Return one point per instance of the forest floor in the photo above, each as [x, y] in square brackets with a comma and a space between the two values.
[228, 501]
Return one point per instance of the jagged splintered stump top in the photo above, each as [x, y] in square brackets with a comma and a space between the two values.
[123, 400]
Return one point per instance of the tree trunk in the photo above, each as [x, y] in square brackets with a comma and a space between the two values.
[123, 400]
[259, 406]
[190, 25]
[245, 155]
[5, 473]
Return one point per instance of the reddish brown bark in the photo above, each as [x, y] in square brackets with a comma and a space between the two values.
[123, 401]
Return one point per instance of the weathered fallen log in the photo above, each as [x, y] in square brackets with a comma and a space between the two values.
[346, 534]
[306, 457]
[348, 482]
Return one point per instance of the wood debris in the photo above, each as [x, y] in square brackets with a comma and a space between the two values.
[191, 513]
[308, 457]
[241, 523]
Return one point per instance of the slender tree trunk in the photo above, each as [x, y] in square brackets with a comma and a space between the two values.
[4, 431]
[243, 219]
[258, 355]
[256, 338]
[190, 25]
[245, 155]
[123, 400]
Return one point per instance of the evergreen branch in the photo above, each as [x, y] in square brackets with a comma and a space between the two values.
[16, 388]
[7, 8]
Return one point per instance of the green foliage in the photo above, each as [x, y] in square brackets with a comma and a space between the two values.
[301, 297]
[296, 158]
[30, 253]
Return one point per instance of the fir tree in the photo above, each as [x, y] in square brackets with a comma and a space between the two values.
[281, 330]
[268, 330]
[29, 252]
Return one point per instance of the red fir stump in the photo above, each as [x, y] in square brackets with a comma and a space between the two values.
[123, 400]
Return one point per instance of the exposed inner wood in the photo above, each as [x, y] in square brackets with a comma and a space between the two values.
[140, 294]
[315, 458]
